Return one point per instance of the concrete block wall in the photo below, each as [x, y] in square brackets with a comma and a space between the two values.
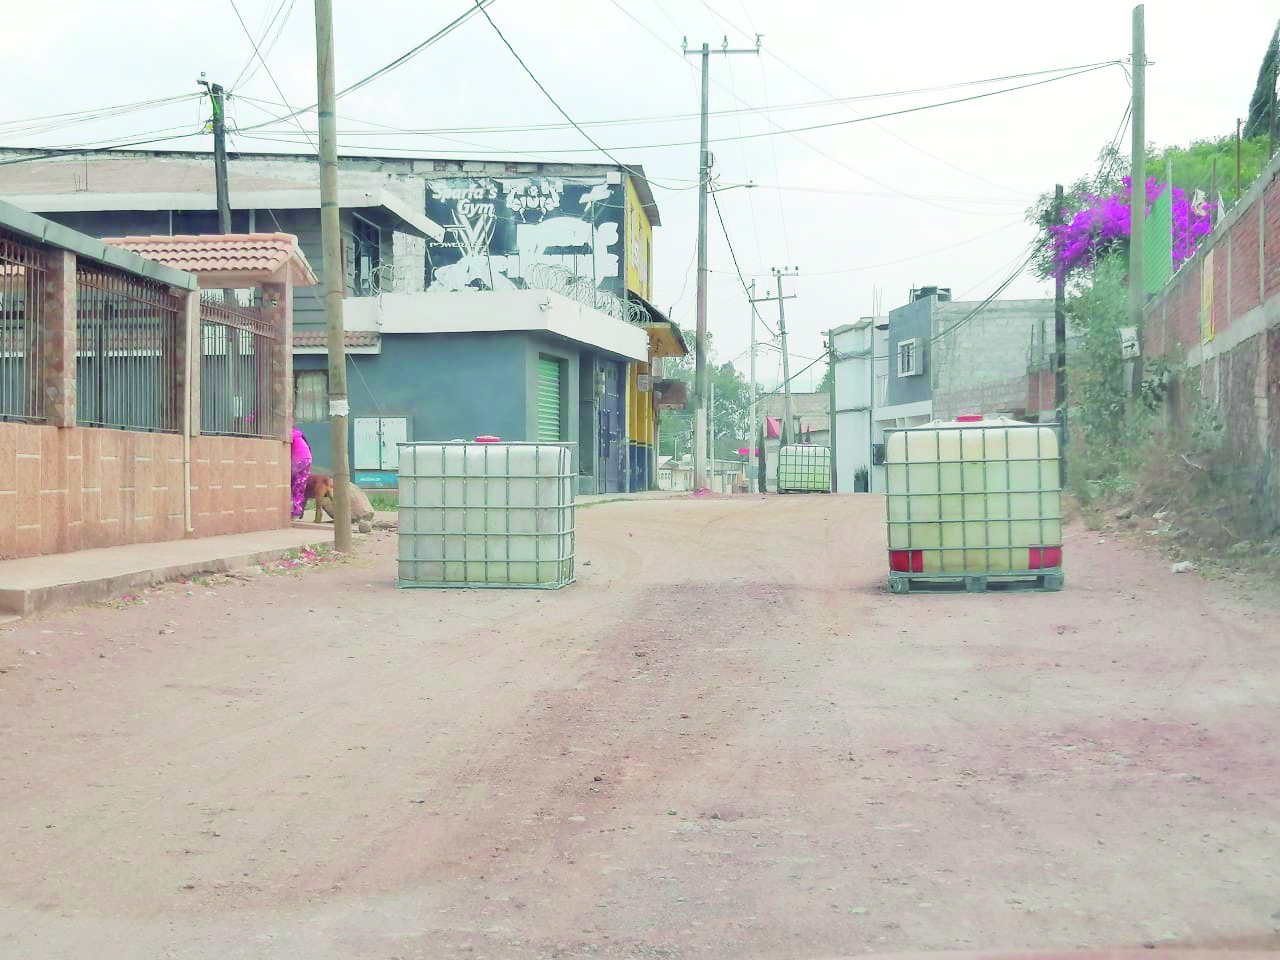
[982, 367]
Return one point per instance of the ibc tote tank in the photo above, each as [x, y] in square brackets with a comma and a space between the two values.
[486, 515]
[974, 501]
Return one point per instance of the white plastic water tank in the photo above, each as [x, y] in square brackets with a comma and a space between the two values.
[974, 496]
[486, 515]
[804, 468]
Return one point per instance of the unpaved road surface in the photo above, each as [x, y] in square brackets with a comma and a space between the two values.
[727, 741]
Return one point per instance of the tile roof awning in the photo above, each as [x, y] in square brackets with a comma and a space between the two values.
[231, 259]
[665, 338]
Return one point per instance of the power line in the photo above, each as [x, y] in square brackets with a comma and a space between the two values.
[1035, 248]
[546, 93]
[792, 130]
[58, 121]
[817, 86]
[890, 263]
[725, 230]
[250, 69]
[270, 75]
[50, 152]
[383, 71]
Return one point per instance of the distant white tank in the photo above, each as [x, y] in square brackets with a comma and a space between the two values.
[486, 515]
[974, 498]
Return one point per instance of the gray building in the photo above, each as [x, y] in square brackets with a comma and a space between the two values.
[947, 358]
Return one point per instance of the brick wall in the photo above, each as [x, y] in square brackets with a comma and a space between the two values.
[75, 488]
[1238, 367]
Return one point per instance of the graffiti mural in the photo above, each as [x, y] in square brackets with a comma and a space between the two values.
[498, 229]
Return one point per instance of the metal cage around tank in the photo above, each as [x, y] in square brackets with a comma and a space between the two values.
[984, 507]
[804, 468]
[486, 515]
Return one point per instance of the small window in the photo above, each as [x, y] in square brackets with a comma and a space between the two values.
[310, 396]
[909, 357]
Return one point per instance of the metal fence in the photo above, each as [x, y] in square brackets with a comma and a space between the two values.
[22, 274]
[237, 345]
[129, 337]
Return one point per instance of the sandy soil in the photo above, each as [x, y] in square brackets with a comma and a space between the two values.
[726, 740]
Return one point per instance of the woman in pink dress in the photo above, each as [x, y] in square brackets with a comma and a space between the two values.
[301, 472]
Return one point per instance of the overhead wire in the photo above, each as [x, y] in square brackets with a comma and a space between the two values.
[270, 75]
[394, 64]
[546, 93]
[817, 86]
[250, 69]
[890, 263]
[47, 124]
[741, 279]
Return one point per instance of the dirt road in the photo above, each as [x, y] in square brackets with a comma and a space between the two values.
[727, 740]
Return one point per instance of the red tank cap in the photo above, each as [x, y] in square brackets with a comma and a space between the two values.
[488, 439]
[969, 418]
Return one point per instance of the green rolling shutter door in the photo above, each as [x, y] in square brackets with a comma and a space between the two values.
[548, 400]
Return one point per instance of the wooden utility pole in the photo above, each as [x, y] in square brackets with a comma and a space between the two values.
[331, 238]
[1138, 176]
[704, 187]
[219, 124]
[831, 408]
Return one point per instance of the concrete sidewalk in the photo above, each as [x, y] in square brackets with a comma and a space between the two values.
[32, 584]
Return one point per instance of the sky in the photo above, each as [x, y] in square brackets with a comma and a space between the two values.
[865, 210]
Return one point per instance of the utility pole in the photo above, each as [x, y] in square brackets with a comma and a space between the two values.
[704, 187]
[711, 432]
[1138, 182]
[831, 406]
[751, 438]
[219, 123]
[1060, 342]
[331, 237]
[786, 361]
[1239, 123]
[786, 364]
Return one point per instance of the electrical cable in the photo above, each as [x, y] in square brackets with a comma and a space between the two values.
[725, 230]
[817, 86]
[792, 131]
[546, 93]
[399, 61]
[247, 74]
[50, 152]
[889, 263]
[270, 75]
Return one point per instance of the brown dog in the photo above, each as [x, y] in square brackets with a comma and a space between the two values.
[319, 489]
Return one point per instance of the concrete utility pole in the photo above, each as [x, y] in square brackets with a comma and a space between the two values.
[219, 123]
[831, 407]
[704, 185]
[782, 332]
[1138, 176]
[331, 237]
[786, 361]
[751, 438]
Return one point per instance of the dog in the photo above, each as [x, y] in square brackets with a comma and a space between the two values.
[319, 489]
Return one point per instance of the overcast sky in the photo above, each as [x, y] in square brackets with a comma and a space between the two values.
[858, 208]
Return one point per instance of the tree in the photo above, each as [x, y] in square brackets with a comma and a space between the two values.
[731, 409]
[825, 384]
[1262, 103]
